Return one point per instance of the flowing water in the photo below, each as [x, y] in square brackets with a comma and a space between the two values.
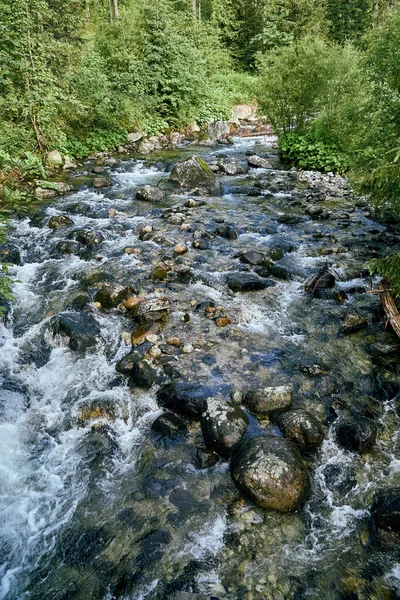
[101, 508]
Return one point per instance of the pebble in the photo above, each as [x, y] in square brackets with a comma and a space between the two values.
[222, 321]
[174, 341]
[152, 338]
[181, 249]
[133, 301]
[112, 212]
[154, 352]
[187, 349]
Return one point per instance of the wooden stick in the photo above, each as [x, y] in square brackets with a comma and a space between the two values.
[390, 308]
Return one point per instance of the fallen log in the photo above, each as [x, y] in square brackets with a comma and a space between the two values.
[390, 307]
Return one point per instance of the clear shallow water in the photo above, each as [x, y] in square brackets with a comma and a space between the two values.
[101, 509]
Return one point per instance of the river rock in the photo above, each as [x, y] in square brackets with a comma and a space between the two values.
[218, 129]
[322, 280]
[169, 425]
[258, 162]
[223, 426]
[230, 166]
[194, 173]
[302, 428]
[385, 510]
[253, 257]
[125, 365]
[227, 232]
[88, 238]
[153, 308]
[68, 247]
[353, 323]
[357, 434]
[112, 296]
[150, 193]
[100, 182]
[9, 253]
[60, 222]
[184, 398]
[270, 471]
[81, 328]
[264, 401]
[245, 282]
[142, 374]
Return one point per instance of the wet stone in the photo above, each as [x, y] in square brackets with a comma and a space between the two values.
[142, 375]
[81, 328]
[353, 323]
[270, 471]
[169, 425]
[258, 162]
[385, 510]
[356, 434]
[227, 232]
[100, 182]
[61, 222]
[184, 398]
[264, 401]
[223, 426]
[149, 193]
[302, 428]
[253, 257]
[245, 282]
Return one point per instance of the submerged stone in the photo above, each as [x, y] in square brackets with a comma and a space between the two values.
[357, 434]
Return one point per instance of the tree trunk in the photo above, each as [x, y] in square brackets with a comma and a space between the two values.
[116, 10]
[194, 9]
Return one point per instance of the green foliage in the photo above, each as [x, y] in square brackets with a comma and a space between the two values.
[389, 269]
[306, 152]
[309, 79]
[348, 21]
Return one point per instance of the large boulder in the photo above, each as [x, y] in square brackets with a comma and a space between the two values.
[194, 173]
[270, 471]
[242, 112]
[150, 193]
[54, 159]
[246, 282]
[223, 426]
[218, 129]
[356, 433]
[302, 428]
[263, 401]
[80, 328]
[185, 398]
